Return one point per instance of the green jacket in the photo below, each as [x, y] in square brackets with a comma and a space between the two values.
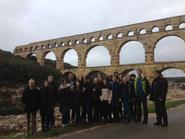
[145, 85]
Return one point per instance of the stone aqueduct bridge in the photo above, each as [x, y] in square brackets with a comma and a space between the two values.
[148, 33]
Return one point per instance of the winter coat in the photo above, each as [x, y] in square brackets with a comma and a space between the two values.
[145, 87]
[77, 95]
[159, 89]
[46, 100]
[96, 92]
[116, 94]
[31, 99]
[65, 95]
[124, 89]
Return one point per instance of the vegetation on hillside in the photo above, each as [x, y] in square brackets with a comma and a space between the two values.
[15, 69]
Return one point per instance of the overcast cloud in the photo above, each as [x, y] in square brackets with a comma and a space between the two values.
[25, 21]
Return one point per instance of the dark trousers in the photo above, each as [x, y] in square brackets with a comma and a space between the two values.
[117, 111]
[133, 108]
[106, 110]
[86, 110]
[96, 106]
[76, 113]
[65, 110]
[161, 113]
[142, 102]
[127, 110]
[31, 122]
[45, 119]
[52, 117]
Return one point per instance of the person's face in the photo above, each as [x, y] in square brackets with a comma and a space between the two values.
[80, 78]
[132, 78]
[100, 79]
[139, 72]
[46, 84]
[65, 82]
[50, 79]
[95, 80]
[113, 78]
[88, 80]
[120, 76]
[124, 79]
[104, 82]
[31, 84]
[127, 77]
[77, 83]
[156, 75]
[70, 76]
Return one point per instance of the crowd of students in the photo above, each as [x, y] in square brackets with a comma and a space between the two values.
[117, 98]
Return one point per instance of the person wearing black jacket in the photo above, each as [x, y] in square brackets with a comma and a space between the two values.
[133, 100]
[46, 105]
[96, 103]
[72, 80]
[124, 89]
[87, 101]
[116, 98]
[159, 90]
[65, 100]
[77, 100]
[31, 99]
[53, 89]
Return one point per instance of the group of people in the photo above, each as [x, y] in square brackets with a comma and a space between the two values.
[117, 98]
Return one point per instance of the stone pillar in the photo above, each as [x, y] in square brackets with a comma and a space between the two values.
[81, 61]
[114, 60]
[149, 57]
[149, 51]
[40, 60]
[59, 65]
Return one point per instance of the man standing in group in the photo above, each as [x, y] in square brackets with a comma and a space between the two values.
[142, 89]
[159, 90]
[72, 81]
[96, 103]
[133, 100]
[31, 99]
[53, 88]
[116, 99]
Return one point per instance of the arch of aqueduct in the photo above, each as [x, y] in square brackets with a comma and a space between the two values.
[113, 39]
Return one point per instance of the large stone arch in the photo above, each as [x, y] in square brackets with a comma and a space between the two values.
[65, 75]
[137, 43]
[32, 54]
[48, 61]
[65, 51]
[118, 49]
[173, 68]
[96, 73]
[161, 39]
[94, 46]
[127, 71]
[47, 52]
[29, 54]
[167, 35]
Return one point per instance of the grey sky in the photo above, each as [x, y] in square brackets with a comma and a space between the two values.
[25, 21]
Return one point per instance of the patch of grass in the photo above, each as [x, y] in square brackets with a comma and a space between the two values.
[60, 131]
[169, 104]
